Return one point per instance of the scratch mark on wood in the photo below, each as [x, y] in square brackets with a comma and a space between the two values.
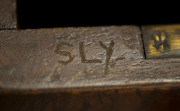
[83, 55]
[113, 63]
[12, 70]
[109, 52]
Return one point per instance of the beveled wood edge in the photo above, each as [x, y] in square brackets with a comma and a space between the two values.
[75, 90]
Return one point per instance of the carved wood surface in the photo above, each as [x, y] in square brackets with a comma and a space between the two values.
[81, 69]
[79, 57]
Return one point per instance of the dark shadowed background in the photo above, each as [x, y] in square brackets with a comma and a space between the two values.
[58, 13]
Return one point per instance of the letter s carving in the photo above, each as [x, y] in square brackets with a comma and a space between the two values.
[64, 53]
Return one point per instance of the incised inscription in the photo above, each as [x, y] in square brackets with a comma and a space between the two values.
[108, 49]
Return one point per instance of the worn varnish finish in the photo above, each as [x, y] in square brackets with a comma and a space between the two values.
[162, 98]
[92, 68]
[8, 18]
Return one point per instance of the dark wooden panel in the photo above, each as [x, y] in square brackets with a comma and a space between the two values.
[162, 97]
[8, 19]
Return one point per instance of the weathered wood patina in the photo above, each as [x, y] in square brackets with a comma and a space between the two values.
[86, 68]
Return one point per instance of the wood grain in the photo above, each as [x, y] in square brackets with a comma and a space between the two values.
[29, 60]
[92, 68]
[116, 99]
[8, 18]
